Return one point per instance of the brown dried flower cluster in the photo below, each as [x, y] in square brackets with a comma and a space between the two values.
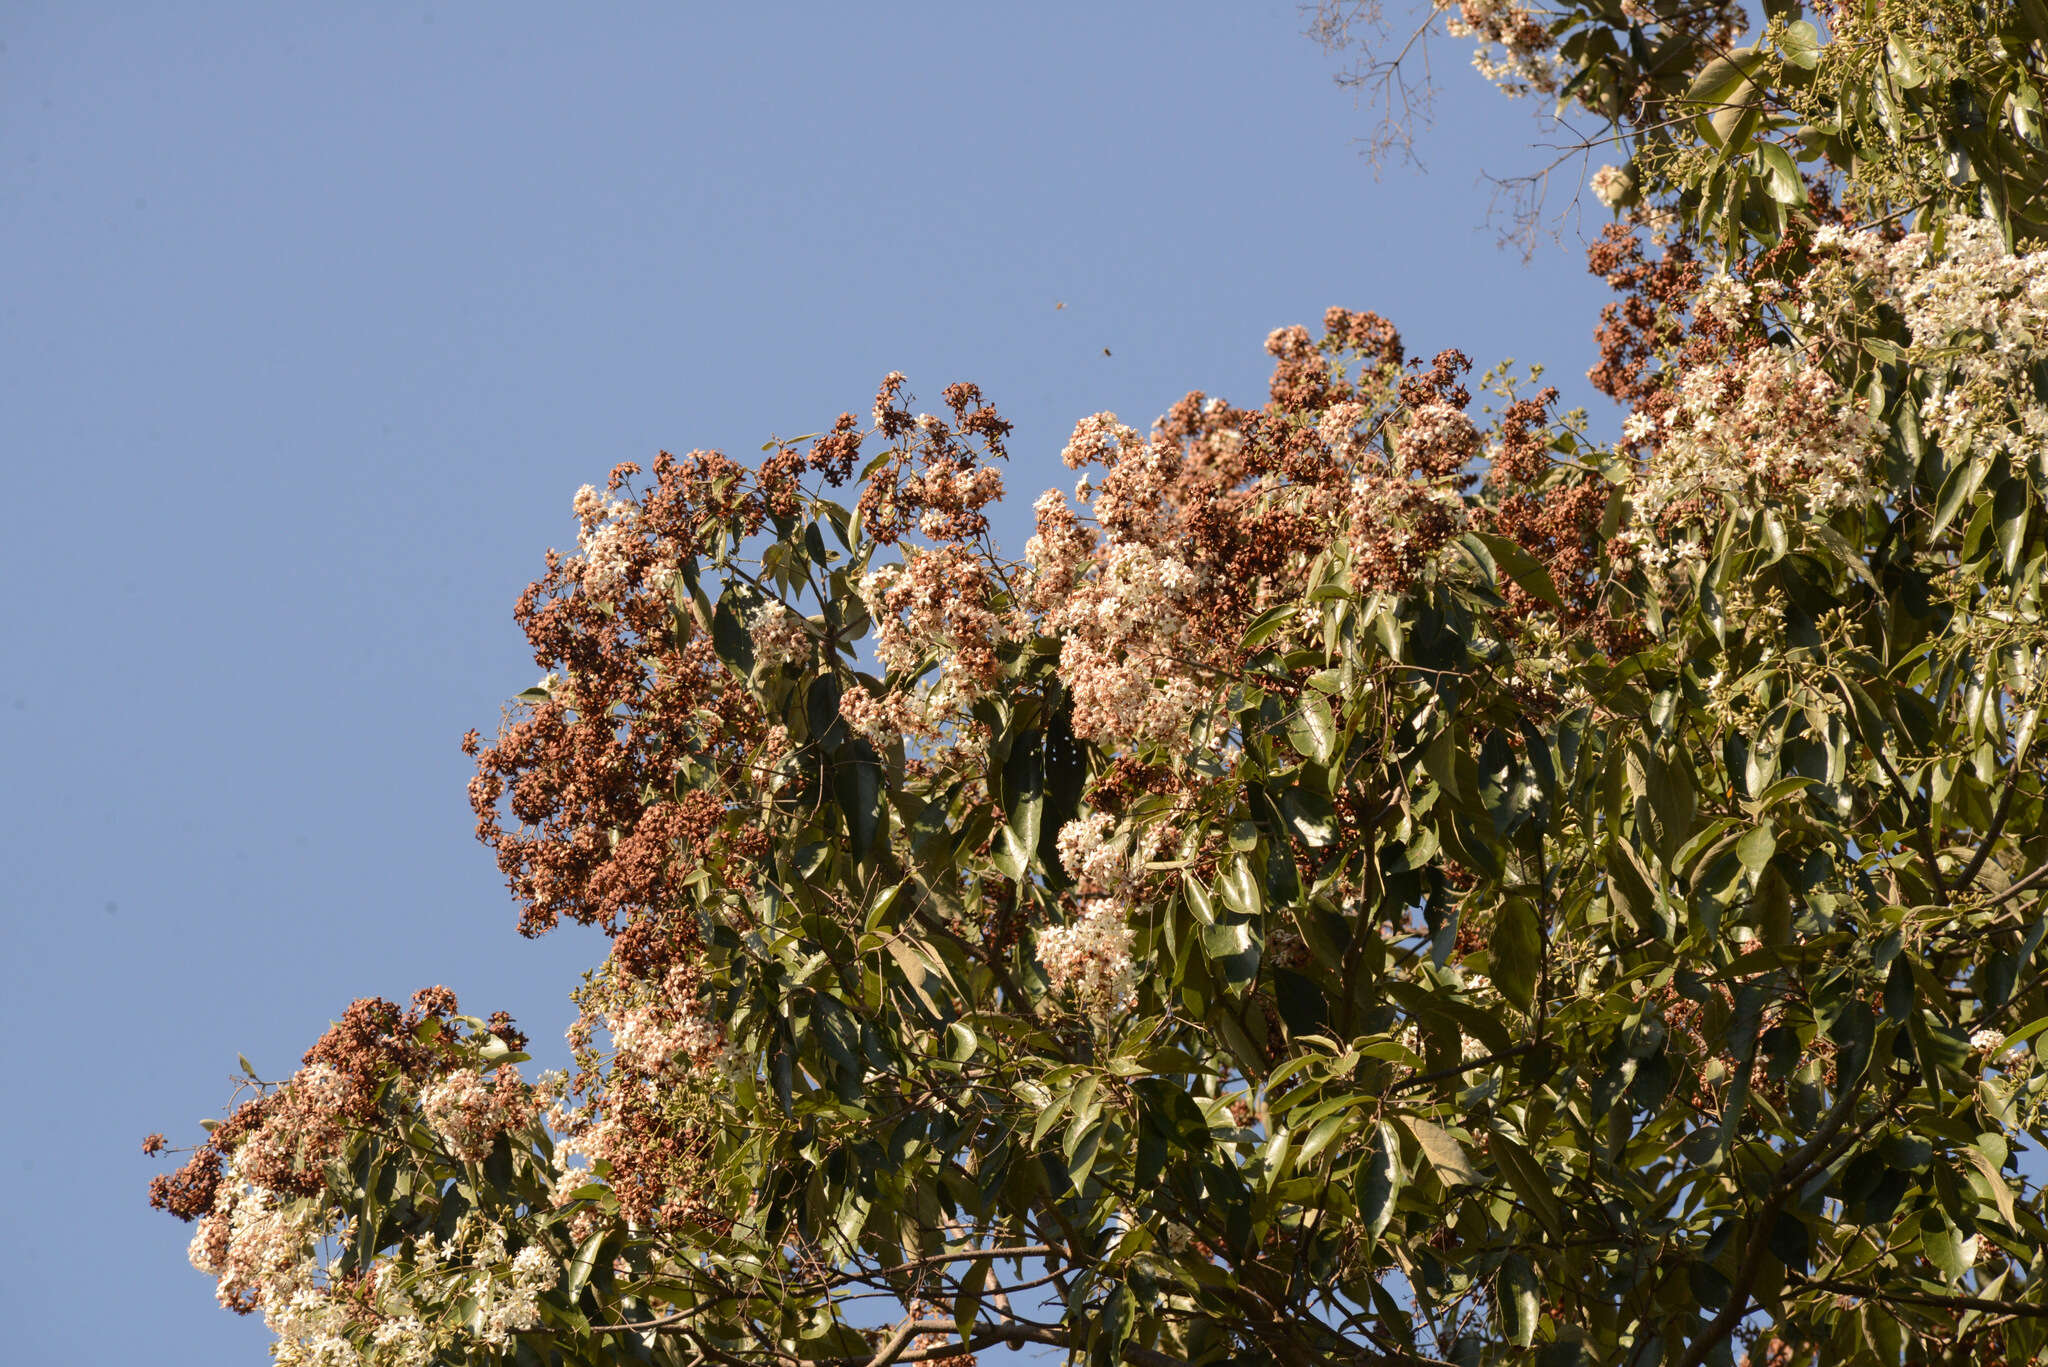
[279, 1137]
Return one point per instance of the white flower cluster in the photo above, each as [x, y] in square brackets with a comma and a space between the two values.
[974, 487]
[1088, 854]
[1991, 1044]
[260, 1246]
[936, 604]
[1437, 440]
[1514, 45]
[1091, 959]
[1980, 313]
[891, 383]
[1100, 437]
[664, 1044]
[1612, 186]
[1763, 426]
[612, 542]
[264, 1246]
[318, 1328]
[402, 1342]
[1118, 609]
[1726, 300]
[508, 1305]
[312, 1331]
[468, 1112]
[1338, 427]
[778, 635]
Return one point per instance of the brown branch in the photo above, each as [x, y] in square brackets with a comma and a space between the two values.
[964, 1255]
[1991, 834]
[2014, 889]
[1923, 830]
[1876, 1293]
[1758, 1248]
[988, 1337]
[1424, 1079]
[664, 1323]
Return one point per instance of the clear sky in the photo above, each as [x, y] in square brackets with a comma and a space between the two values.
[316, 315]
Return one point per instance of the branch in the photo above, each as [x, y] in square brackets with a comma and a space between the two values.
[675, 1322]
[1758, 1248]
[1991, 834]
[2014, 889]
[1923, 830]
[989, 1337]
[1424, 1079]
[1875, 1293]
[963, 1255]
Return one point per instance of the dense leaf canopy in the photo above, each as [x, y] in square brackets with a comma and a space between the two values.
[1375, 882]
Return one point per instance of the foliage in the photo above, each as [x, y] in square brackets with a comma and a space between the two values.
[1929, 107]
[1365, 887]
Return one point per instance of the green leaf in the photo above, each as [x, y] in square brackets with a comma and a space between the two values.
[1800, 44]
[1518, 1301]
[581, 1265]
[1382, 1177]
[1515, 951]
[1629, 884]
[821, 712]
[1756, 847]
[1300, 1002]
[1943, 1246]
[1310, 816]
[857, 788]
[729, 634]
[1113, 1328]
[1522, 567]
[879, 912]
[1312, 730]
[1240, 888]
[1719, 78]
[1781, 176]
[967, 1302]
[1962, 481]
[1024, 796]
[2009, 516]
[1443, 1151]
[1995, 1183]
[960, 1042]
[1233, 947]
[1530, 1182]
[1265, 625]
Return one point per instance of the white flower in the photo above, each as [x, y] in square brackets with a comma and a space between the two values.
[778, 635]
[1091, 958]
[1763, 425]
[1990, 1043]
[1612, 186]
[1725, 299]
[467, 1112]
[403, 1343]
[1087, 852]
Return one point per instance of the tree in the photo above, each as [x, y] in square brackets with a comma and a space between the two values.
[1370, 885]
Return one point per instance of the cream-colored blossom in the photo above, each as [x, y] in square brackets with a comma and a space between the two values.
[1090, 959]
[1764, 426]
[1612, 186]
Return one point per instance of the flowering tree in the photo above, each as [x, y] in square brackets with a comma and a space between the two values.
[1372, 884]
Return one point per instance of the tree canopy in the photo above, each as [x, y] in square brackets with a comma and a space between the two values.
[1375, 882]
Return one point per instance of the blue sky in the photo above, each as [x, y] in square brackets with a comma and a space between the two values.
[314, 318]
